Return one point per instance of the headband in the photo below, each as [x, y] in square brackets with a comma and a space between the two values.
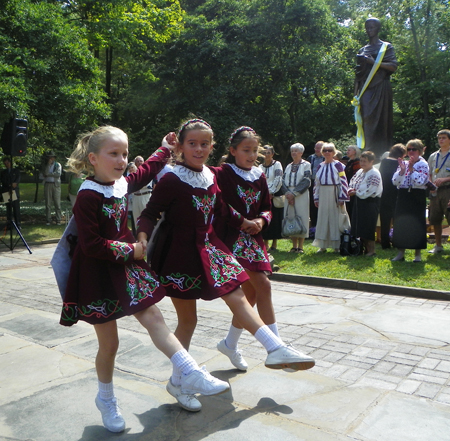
[239, 130]
[191, 121]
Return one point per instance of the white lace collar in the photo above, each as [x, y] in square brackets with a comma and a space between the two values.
[195, 179]
[117, 190]
[251, 175]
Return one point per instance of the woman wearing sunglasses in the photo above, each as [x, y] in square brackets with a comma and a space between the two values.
[330, 194]
[411, 178]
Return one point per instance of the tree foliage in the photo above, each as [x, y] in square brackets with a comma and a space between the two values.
[274, 65]
[47, 72]
[285, 67]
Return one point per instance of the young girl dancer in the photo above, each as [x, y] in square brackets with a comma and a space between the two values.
[244, 187]
[192, 262]
[108, 278]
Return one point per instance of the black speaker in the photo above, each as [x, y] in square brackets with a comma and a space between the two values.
[14, 137]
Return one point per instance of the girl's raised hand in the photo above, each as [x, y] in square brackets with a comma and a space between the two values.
[170, 140]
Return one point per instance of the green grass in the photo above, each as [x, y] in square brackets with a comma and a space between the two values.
[34, 228]
[432, 273]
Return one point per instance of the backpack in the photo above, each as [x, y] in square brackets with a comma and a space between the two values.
[350, 245]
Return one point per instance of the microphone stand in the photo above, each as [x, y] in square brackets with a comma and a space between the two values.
[13, 244]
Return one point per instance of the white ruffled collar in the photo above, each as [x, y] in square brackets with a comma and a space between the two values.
[116, 190]
[196, 179]
[251, 175]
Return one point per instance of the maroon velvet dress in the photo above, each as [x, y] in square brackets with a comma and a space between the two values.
[247, 192]
[105, 282]
[189, 258]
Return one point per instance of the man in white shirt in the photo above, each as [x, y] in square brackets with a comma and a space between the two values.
[52, 187]
[439, 163]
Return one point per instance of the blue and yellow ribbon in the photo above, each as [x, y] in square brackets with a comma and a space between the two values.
[356, 101]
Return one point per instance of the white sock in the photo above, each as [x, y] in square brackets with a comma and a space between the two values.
[106, 391]
[176, 376]
[268, 339]
[274, 328]
[231, 340]
[184, 362]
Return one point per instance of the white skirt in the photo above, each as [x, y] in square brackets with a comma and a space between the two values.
[327, 228]
[302, 209]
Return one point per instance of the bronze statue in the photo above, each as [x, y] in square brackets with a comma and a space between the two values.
[376, 100]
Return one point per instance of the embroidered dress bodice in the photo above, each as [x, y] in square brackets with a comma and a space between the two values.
[367, 184]
[295, 173]
[417, 179]
[332, 173]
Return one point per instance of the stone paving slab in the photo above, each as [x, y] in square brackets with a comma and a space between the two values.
[382, 369]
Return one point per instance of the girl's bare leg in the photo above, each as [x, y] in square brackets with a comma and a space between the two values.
[187, 320]
[152, 320]
[108, 344]
[279, 355]
[243, 311]
[258, 291]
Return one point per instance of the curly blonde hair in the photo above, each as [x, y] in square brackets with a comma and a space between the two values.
[91, 142]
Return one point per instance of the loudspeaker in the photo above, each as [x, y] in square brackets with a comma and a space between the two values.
[14, 137]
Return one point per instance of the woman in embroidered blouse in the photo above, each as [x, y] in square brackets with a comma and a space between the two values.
[388, 167]
[411, 177]
[273, 170]
[367, 188]
[296, 181]
[330, 194]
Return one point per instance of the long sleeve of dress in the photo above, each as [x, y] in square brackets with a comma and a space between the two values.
[148, 170]
[160, 201]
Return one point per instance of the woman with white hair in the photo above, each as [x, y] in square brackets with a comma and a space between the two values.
[330, 194]
[296, 181]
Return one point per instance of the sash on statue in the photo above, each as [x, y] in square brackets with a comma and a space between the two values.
[356, 102]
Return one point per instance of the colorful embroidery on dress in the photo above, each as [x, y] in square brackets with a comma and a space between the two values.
[115, 210]
[183, 282]
[249, 197]
[100, 309]
[205, 204]
[267, 215]
[157, 153]
[223, 266]
[247, 248]
[234, 213]
[140, 284]
[121, 249]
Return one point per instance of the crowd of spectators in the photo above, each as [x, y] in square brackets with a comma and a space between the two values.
[383, 201]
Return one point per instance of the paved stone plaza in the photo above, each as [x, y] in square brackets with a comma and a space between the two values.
[382, 372]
